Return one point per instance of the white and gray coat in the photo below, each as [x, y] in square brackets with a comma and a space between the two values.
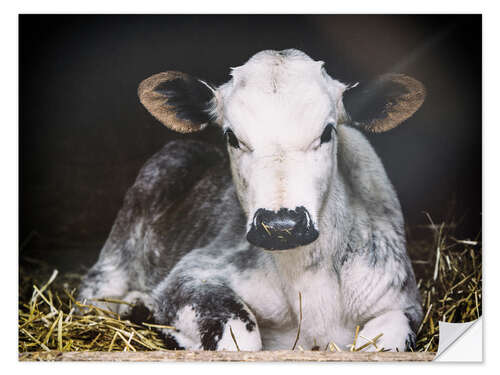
[213, 242]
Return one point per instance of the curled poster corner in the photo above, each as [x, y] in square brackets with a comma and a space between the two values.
[460, 342]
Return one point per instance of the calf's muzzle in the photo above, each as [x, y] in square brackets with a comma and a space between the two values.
[283, 229]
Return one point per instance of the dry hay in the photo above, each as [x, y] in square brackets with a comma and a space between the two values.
[448, 273]
[50, 320]
[449, 276]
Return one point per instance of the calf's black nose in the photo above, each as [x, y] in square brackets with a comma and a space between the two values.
[283, 229]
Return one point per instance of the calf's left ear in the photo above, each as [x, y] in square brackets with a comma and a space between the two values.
[384, 103]
[177, 100]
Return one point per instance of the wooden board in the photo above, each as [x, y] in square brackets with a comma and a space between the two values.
[209, 356]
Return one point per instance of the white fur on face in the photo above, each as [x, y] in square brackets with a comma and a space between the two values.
[278, 105]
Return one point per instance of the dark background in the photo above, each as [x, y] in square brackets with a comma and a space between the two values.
[84, 135]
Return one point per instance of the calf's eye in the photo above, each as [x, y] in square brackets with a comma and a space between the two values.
[231, 139]
[326, 136]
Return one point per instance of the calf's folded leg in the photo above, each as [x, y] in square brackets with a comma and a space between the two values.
[205, 315]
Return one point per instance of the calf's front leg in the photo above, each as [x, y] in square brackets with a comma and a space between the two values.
[205, 315]
[396, 330]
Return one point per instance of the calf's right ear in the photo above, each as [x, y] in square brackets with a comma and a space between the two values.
[177, 100]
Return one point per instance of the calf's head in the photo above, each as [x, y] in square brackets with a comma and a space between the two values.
[280, 113]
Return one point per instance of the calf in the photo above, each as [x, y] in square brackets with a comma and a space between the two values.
[309, 210]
